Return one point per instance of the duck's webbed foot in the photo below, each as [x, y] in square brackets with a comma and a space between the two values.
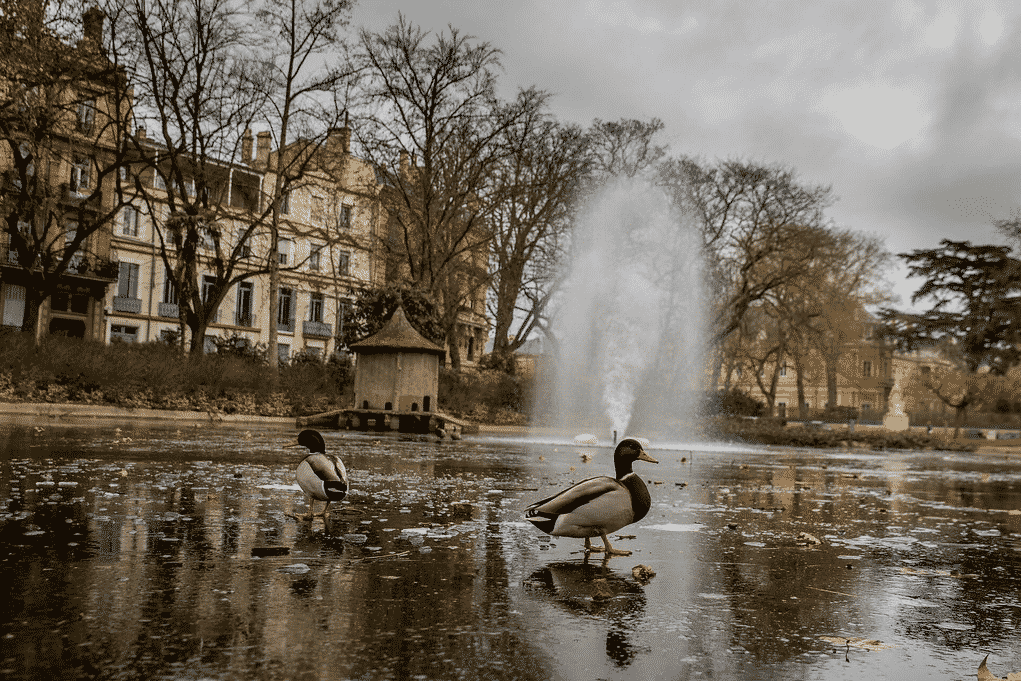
[610, 551]
[591, 549]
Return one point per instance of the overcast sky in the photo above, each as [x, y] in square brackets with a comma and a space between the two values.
[910, 110]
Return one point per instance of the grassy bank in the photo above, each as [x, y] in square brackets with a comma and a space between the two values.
[157, 376]
[771, 431]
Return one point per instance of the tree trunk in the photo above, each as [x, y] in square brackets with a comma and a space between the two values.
[831, 382]
[960, 415]
[30, 323]
[800, 380]
[454, 350]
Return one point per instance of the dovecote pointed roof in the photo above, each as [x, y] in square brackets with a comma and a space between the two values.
[397, 335]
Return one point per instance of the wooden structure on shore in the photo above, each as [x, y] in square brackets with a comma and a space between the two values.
[396, 385]
[383, 421]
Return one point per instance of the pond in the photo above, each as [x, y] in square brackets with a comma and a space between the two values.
[145, 552]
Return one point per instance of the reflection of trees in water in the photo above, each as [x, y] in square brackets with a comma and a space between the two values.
[587, 589]
[164, 575]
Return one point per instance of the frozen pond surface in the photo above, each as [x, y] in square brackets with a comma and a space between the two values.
[146, 553]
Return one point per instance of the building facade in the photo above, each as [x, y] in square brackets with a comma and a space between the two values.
[331, 240]
[60, 108]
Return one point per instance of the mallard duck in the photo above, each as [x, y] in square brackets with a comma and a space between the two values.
[600, 505]
[320, 475]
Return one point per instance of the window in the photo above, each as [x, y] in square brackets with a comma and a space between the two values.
[783, 369]
[86, 115]
[285, 203]
[318, 215]
[344, 218]
[866, 368]
[313, 256]
[283, 251]
[169, 291]
[245, 248]
[207, 237]
[122, 332]
[81, 170]
[285, 311]
[315, 307]
[283, 352]
[244, 305]
[127, 280]
[130, 219]
[208, 281]
[69, 236]
[344, 264]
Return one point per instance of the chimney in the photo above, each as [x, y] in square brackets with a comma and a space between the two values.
[345, 139]
[262, 147]
[345, 134]
[246, 147]
[92, 22]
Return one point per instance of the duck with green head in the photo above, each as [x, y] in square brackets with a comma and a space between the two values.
[321, 476]
[598, 506]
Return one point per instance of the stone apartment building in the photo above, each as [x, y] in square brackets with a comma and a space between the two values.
[328, 249]
[50, 211]
[332, 243]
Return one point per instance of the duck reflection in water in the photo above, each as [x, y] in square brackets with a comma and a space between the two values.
[588, 590]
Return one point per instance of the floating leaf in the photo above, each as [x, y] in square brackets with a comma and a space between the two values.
[985, 675]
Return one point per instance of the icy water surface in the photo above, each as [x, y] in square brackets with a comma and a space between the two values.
[147, 553]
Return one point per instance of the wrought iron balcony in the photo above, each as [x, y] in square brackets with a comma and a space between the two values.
[170, 310]
[317, 329]
[132, 305]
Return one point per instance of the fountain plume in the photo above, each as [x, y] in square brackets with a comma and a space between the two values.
[630, 320]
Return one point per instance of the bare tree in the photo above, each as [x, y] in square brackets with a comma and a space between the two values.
[761, 229]
[64, 112]
[204, 82]
[302, 32]
[534, 193]
[434, 129]
[846, 277]
[193, 73]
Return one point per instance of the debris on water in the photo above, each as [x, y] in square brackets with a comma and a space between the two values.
[263, 551]
[985, 675]
[806, 539]
[294, 569]
[585, 458]
[643, 574]
[856, 642]
[586, 439]
[355, 538]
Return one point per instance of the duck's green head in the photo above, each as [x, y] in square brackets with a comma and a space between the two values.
[629, 450]
[310, 439]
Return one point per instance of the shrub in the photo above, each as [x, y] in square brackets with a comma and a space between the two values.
[733, 403]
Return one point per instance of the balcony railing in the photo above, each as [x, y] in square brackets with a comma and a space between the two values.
[317, 329]
[132, 305]
[244, 319]
[170, 310]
